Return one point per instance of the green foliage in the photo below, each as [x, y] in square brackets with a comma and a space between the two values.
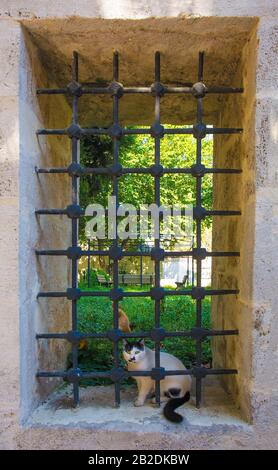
[138, 151]
[95, 151]
[178, 314]
[176, 151]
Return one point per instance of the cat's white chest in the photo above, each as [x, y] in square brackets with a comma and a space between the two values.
[142, 365]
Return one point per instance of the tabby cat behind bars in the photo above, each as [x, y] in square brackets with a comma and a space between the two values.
[174, 389]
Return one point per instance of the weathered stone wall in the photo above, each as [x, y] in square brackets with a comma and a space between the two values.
[9, 202]
[236, 192]
[265, 264]
[179, 41]
[254, 311]
[44, 232]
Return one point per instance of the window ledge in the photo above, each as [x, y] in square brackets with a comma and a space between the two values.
[96, 411]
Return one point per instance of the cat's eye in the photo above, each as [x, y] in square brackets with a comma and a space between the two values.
[137, 352]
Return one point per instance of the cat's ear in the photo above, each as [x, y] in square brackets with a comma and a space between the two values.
[141, 342]
[125, 343]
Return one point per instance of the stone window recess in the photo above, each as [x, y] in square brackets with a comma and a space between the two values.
[62, 116]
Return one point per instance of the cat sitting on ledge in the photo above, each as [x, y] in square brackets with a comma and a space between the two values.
[174, 389]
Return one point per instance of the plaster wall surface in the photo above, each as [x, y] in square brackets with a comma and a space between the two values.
[179, 41]
[254, 235]
[236, 192]
[40, 232]
[258, 303]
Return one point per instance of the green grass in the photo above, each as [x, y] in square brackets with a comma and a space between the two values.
[177, 314]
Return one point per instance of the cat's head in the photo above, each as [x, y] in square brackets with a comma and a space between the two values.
[134, 351]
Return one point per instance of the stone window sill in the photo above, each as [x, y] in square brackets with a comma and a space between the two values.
[96, 411]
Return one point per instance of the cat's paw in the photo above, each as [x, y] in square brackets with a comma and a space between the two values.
[138, 402]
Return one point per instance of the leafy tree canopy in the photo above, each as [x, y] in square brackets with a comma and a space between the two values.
[138, 151]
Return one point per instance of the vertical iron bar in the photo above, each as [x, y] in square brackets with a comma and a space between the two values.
[157, 240]
[192, 264]
[89, 263]
[201, 67]
[115, 240]
[74, 227]
[141, 265]
[199, 235]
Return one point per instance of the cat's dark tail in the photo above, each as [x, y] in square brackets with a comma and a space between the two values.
[172, 404]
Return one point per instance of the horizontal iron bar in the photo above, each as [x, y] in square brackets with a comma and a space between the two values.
[141, 334]
[208, 333]
[209, 130]
[51, 170]
[219, 212]
[52, 91]
[167, 254]
[224, 213]
[206, 170]
[108, 374]
[51, 252]
[143, 171]
[51, 211]
[223, 170]
[223, 253]
[105, 90]
[51, 132]
[223, 89]
[183, 212]
[146, 131]
[52, 294]
[183, 372]
[207, 292]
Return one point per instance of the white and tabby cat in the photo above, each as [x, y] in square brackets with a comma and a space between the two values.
[174, 388]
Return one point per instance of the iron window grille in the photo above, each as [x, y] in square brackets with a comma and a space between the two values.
[73, 211]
